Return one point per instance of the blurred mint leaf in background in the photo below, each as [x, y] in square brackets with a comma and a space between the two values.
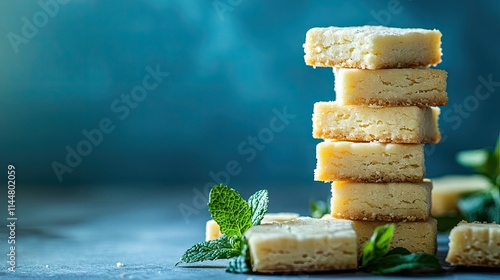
[318, 208]
[446, 222]
[483, 161]
[483, 206]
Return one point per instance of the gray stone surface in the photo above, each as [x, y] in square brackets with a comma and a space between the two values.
[83, 233]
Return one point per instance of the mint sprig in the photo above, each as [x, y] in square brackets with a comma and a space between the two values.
[377, 259]
[234, 216]
[482, 205]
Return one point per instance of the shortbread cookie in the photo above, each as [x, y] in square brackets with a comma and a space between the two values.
[391, 87]
[416, 237]
[475, 244]
[447, 190]
[372, 47]
[212, 230]
[393, 202]
[369, 162]
[303, 245]
[332, 120]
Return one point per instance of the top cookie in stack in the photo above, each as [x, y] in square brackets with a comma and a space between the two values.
[372, 47]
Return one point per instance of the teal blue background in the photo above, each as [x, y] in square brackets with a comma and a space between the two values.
[228, 69]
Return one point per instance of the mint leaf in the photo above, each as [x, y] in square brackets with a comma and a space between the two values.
[446, 222]
[398, 251]
[238, 264]
[318, 208]
[496, 155]
[221, 248]
[473, 158]
[258, 203]
[378, 245]
[229, 210]
[483, 161]
[481, 206]
[403, 263]
[377, 259]
[241, 263]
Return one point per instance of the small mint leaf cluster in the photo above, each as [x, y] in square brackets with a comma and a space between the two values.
[234, 216]
[377, 259]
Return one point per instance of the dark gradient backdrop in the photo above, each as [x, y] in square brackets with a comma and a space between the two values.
[233, 67]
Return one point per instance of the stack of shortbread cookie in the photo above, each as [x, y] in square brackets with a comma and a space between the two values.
[375, 130]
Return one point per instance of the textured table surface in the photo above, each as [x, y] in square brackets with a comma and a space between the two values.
[83, 233]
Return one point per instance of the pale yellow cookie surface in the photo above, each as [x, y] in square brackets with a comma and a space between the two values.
[391, 87]
[410, 124]
[369, 162]
[392, 202]
[372, 47]
[303, 245]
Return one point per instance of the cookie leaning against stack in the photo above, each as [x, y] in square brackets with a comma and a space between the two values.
[385, 111]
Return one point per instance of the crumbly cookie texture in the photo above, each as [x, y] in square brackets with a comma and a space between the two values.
[416, 237]
[391, 87]
[475, 244]
[392, 202]
[412, 124]
[372, 47]
[303, 245]
[369, 162]
[212, 230]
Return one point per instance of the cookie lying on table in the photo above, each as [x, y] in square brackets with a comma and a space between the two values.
[475, 244]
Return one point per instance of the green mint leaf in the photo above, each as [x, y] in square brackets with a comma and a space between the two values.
[258, 203]
[241, 263]
[238, 264]
[473, 158]
[481, 206]
[229, 210]
[446, 222]
[378, 245]
[496, 154]
[221, 248]
[395, 263]
[318, 208]
[398, 251]
[483, 161]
